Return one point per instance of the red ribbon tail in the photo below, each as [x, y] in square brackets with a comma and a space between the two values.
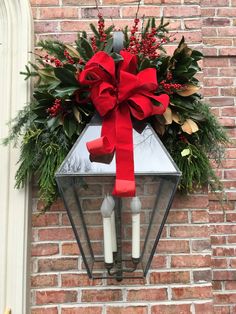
[125, 179]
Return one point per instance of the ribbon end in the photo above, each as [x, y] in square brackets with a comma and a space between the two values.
[124, 188]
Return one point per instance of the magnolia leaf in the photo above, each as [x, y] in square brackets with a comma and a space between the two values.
[46, 74]
[77, 115]
[176, 118]
[190, 126]
[72, 51]
[159, 124]
[168, 116]
[65, 91]
[185, 152]
[66, 76]
[188, 90]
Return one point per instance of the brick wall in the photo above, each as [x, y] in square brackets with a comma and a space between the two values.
[194, 269]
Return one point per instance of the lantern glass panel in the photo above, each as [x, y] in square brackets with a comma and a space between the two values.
[84, 185]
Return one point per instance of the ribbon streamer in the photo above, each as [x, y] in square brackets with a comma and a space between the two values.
[119, 92]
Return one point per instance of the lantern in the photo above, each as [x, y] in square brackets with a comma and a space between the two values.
[117, 236]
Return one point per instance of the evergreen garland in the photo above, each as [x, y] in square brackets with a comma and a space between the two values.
[49, 126]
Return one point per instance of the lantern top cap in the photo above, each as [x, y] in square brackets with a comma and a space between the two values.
[150, 156]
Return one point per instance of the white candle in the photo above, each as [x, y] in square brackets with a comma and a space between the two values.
[135, 209]
[106, 210]
[113, 225]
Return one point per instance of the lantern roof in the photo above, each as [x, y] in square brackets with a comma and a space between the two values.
[150, 156]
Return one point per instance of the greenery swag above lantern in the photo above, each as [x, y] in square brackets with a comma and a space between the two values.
[68, 79]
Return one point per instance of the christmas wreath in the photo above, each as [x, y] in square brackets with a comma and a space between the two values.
[64, 100]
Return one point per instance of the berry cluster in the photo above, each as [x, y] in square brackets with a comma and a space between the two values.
[148, 45]
[170, 87]
[55, 109]
[134, 45]
[56, 61]
[68, 57]
[93, 44]
[101, 28]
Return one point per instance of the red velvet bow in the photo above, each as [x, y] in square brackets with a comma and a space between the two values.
[118, 93]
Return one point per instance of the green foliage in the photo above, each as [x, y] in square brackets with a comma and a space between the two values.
[61, 107]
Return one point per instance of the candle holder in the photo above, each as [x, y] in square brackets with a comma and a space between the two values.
[85, 184]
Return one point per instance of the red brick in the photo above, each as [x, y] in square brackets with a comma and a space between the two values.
[101, 295]
[199, 292]
[225, 298]
[190, 201]
[118, 1]
[169, 277]
[192, 24]
[147, 11]
[231, 239]
[227, 12]
[219, 262]
[189, 231]
[216, 62]
[184, 11]
[162, 1]
[78, 280]
[51, 310]
[55, 297]
[216, 218]
[82, 310]
[147, 294]
[200, 216]
[70, 248]
[127, 310]
[45, 219]
[58, 13]
[218, 81]
[57, 264]
[221, 309]
[173, 246]
[78, 2]
[56, 234]
[44, 2]
[224, 275]
[191, 261]
[159, 262]
[224, 251]
[201, 245]
[216, 3]
[224, 229]
[206, 308]
[177, 217]
[44, 281]
[75, 26]
[44, 249]
[216, 285]
[202, 275]
[231, 285]
[46, 27]
[171, 309]
[230, 91]
[216, 22]
[106, 12]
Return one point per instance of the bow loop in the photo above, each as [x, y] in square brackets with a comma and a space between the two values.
[117, 95]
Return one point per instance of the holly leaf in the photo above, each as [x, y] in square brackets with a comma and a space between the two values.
[109, 45]
[116, 57]
[87, 47]
[69, 127]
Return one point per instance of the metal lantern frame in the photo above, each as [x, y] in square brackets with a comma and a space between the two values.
[68, 176]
